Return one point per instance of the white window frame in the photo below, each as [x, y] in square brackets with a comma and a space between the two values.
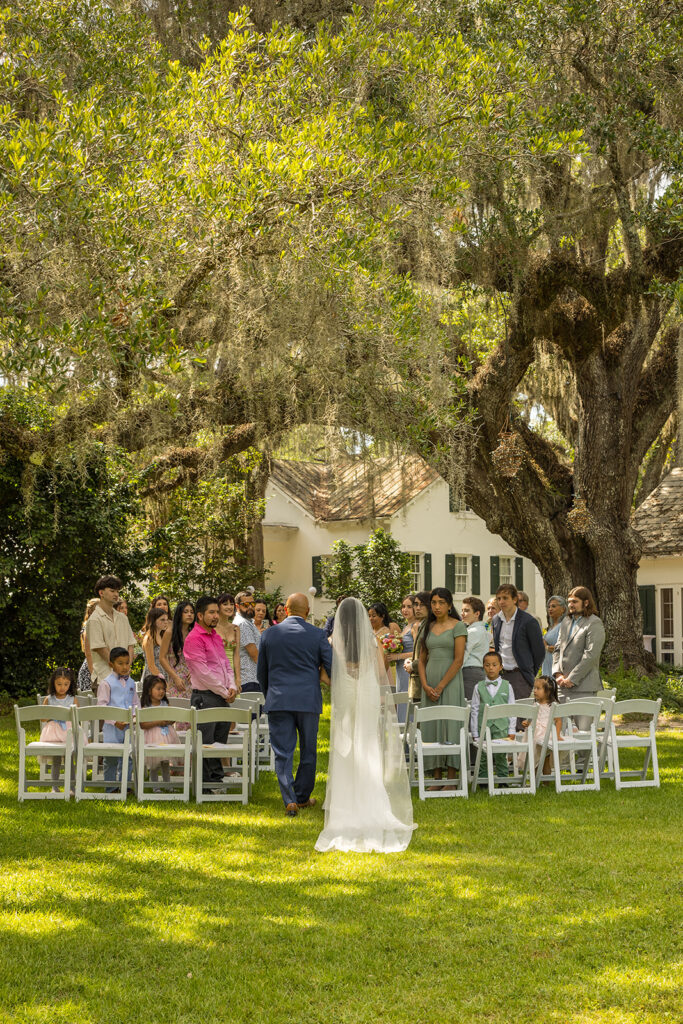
[418, 574]
[467, 575]
[505, 578]
[666, 652]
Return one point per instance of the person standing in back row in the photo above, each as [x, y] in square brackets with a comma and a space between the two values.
[518, 639]
[576, 658]
[106, 629]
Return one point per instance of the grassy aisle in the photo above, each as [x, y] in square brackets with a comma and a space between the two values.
[526, 909]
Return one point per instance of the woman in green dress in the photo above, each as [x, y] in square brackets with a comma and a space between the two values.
[440, 670]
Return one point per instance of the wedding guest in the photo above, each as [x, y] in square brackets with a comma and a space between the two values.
[151, 645]
[213, 682]
[162, 602]
[557, 609]
[523, 605]
[86, 669]
[545, 695]
[420, 611]
[576, 658]
[122, 606]
[171, 656]
[249, 641]
[492, 610]
[106, 628]
[117, 690]
[229, 632]
[440, 667]
[492, 690]
[61, 693]
[402, 674]
[157, 733]
[157, 602]
[473, 612]
[280, 613]
[518, 639]
[380, 620]
[262, 619]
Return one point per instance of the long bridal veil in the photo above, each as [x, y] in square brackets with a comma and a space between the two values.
[367, 804]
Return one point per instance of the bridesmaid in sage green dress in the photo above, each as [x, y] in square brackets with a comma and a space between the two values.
[440, 668]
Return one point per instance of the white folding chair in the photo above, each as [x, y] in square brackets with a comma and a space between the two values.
[36, 748]
[424, 748]
[253, 702]
[402, 700]
[602, 731]
[165, 752]
[487, 745]
[635, 779]
[179, 702]
[238, 750]
[98, 748]
[411, 744]
[572, 743]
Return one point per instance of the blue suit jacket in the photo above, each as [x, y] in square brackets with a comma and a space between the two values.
[527, 644]
[289, 661]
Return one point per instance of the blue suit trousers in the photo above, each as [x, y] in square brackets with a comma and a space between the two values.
[284, 727]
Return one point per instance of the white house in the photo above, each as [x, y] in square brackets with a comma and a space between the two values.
[659, 521]
[310, 505]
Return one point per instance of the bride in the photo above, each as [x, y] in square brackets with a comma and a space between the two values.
[367, 804]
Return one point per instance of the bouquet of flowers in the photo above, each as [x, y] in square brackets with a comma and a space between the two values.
[392, 643]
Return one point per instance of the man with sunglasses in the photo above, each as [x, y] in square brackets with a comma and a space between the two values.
[250, 639]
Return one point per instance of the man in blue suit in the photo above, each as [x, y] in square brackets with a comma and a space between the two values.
[517, 637]
[291, 656]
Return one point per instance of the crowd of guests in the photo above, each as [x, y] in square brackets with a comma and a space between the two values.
[207, 652]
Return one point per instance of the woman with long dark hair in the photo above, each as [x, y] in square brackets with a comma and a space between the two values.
[171, 657]
[440, 669]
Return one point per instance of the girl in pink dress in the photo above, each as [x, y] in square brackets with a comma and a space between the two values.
[545, 695]
[61, 693]
[157, 733]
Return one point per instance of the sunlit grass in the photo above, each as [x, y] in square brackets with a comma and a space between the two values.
[553, 908]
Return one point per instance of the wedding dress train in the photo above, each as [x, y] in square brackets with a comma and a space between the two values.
[367, 805]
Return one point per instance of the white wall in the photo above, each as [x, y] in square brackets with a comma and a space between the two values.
[424, 525]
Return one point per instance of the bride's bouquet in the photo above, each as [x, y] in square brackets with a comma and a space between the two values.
[392, 643]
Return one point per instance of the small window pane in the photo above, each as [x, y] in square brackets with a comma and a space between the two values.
[460, 574]
[666, 598]
[415, 573]
[505, 569]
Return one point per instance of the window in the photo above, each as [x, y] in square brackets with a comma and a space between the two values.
[666, 624]
[460, 584]
[506, 568]
[415, 573]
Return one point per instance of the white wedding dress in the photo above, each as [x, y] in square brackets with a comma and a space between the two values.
[367, 805]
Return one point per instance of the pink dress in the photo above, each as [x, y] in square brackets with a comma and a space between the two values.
[159, 735]
[185, 689]
[54, 731]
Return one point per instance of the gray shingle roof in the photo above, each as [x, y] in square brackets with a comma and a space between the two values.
[659, 520]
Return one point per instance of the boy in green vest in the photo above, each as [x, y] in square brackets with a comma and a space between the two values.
[492, 691]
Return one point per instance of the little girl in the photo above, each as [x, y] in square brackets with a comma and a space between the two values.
[545, 695]
[61, 693]
[154, 696]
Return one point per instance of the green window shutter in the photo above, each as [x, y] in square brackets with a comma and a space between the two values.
[316, 574]
[519, 573]
[495, 573]
[647, 604]
[427, 571]
[450, 573]
[476, 574]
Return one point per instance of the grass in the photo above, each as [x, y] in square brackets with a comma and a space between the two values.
[553, 908]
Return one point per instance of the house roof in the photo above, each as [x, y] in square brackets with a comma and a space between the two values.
[353, 489]
[659, 520]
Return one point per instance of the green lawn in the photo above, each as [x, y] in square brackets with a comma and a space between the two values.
[553, 908]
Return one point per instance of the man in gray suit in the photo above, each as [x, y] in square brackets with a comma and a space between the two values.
[576, 659]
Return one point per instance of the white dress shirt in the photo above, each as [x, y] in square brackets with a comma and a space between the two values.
[505, 641]
[492, 685]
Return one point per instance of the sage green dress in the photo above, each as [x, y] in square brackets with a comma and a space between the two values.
[439, 660]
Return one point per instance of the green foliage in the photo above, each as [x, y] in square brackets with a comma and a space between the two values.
[666, 684]
[375, 571]
[199, 545]
[64, 524]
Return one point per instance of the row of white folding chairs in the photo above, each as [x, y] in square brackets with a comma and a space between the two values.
[599, 744]
[85, 740]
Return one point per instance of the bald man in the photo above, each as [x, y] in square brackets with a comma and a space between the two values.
[289, 662]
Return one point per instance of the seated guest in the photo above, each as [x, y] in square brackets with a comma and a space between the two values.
[478, 640]
[117, 690]
[491, 691]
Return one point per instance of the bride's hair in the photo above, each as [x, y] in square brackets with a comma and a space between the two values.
[346, 620]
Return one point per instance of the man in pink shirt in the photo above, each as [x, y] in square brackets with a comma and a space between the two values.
[213, 681]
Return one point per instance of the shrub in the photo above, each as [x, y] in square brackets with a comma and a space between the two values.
[631, 686]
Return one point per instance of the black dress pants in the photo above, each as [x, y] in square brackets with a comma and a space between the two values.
[212, 732]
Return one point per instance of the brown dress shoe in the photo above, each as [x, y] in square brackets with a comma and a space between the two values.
[309, 803]
[292, 810]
